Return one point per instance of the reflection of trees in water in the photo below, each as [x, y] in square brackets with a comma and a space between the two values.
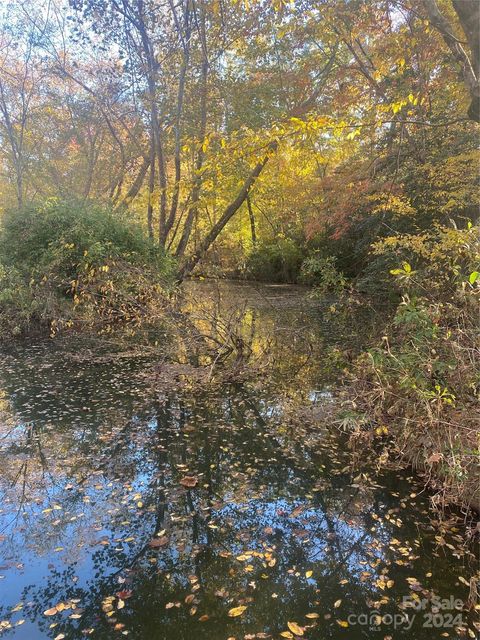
[252, 496]
[307, 343]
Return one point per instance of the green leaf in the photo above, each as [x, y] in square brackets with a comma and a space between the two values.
[473, 277]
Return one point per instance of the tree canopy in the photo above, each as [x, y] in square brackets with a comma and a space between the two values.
[233, 123]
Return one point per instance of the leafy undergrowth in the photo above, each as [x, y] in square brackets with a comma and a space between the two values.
[421, 386]
[77, 266]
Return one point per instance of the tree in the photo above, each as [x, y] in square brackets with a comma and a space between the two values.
[468, 15]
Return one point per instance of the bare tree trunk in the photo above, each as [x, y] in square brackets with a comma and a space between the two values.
[197, 184]
[161, 164]
[154, 120]
[92, 158]
[178, 118]
[157, 139]
[151, 187]
[14, 146]
[251, 216]
[468, 12]
[137, 183]
[227, 215]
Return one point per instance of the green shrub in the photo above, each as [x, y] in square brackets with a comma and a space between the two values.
[435, 263]
[76, 264]
[423, 381]
[323, 275]
[55, 235]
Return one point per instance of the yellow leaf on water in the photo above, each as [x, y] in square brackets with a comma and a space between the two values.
[120, 603]
[337, 604]
[308, 574]
[295, 628]
[50, 612]
[342, 623]
[286, 634]
[236, 611]
[312, 616]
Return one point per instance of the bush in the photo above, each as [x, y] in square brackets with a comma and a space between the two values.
[424, 380]
[435, 263]
[277, 261]
[73, 264]
[323, 275]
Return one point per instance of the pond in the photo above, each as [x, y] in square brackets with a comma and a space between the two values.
[129, 511]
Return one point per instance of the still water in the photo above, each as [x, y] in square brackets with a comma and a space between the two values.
[131, 510]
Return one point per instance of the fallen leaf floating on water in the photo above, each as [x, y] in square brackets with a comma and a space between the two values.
[236, 611]
[342, 623]
[295, 628]
[297, 511]
[50, 612]
[189, 481]
[337, 604]
[312, 616]
[158, 542]
[286, 634]
[308, 574]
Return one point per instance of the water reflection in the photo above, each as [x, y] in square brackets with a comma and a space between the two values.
[153, 515]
